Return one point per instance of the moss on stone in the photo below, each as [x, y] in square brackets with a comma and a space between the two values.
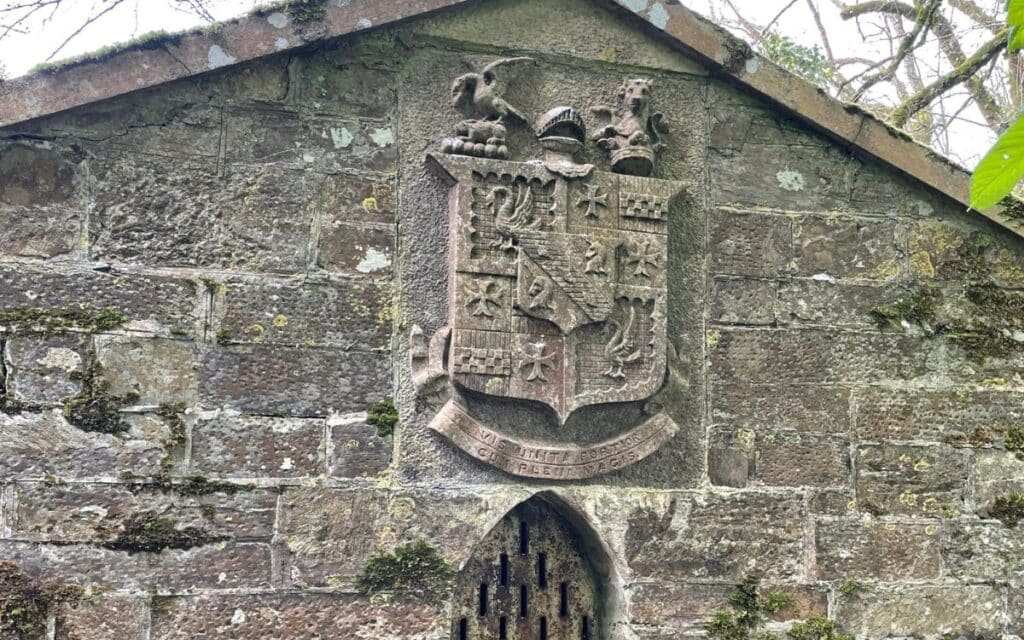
[1008, 509]
[25, 602]
[1013, 440]
[413, 570]
[149, 40]
[148, 532]
[989, 333]
[747, 611]
[850, 587]
[918, 309]
[816, 627]
[298, 11]
[384, 416]
[85, 319]
[94, 408]
[224, 336]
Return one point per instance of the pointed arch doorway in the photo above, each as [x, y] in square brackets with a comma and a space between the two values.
[532, 577]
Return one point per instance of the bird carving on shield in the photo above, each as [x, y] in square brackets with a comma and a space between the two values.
[481, 95]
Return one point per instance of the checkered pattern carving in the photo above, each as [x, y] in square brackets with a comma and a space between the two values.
[481, 361]
[643, 205]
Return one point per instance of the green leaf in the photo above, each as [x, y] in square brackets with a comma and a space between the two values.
[1015, 13]
[1001, 168]
[1016, 40]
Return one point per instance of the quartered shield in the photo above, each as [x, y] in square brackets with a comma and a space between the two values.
[558, 290]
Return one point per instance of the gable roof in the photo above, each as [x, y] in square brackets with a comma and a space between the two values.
[267, 33]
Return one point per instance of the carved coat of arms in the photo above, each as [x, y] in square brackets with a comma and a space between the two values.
[557, 291]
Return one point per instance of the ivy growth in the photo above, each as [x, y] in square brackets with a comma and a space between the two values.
[807, 62]
[415, 570]
[816, 627]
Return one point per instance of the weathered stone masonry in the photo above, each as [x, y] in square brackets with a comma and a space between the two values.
[205, 285]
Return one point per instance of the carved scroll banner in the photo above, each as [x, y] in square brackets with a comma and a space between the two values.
[556, 462]
[558, 277]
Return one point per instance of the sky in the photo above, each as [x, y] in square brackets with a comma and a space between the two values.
[20, 52]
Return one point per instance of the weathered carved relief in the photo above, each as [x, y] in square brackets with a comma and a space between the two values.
[632, 136]
[557, 292]
[528, 579]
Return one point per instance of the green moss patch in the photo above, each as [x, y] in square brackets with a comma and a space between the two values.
[26, 602]
[747, 611]
[919, 309]
[414, 570]
[384, 416]
[298, 11]
[1009, 509]
[85, 319]
[148, 532]
[816, 627]
[94, 408]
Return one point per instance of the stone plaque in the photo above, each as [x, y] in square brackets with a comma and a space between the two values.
[557, 292]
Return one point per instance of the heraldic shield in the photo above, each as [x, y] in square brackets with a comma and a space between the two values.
[557, 294]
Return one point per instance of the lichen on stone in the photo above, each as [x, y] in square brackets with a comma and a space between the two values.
[384, 416]
[149, 532]
[25, 602]
[94, 408]
[413, 570]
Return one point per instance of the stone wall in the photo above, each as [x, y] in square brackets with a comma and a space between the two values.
[204, 287]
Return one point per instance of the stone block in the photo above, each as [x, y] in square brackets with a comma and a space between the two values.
[36, 445]
[157, 370]
[896, 611]
[743, 301]
[288, 139]
[43, 369]
[344, 82]
[300, 382]
[810, 301]
[846, 247]
[265, 81]
[808, 409]
[226, 444]
[814, 356]
[984, 551]
[40, 232]
[150, 303]
[927, 481]
[832, 502]
[355, 249]
[759, 160]
[875, 550]
[165, 212]
[750, 244]
[688, 606]
[297, 616]
[718, 537]
[103, 618]
[358, 452]
[37, 175]
[959, 416]
[93, 512]
[209, 567]
[778, 458]
[331, 532]
[354, 314]
[945, 250]
[995, 473]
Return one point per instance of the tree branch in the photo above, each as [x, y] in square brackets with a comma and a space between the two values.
[960, 74]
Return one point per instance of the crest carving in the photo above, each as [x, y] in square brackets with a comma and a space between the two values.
[557, 294]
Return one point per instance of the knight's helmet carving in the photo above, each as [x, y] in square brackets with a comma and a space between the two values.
[529, 579]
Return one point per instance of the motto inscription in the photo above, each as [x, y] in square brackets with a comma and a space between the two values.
[558, 286]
